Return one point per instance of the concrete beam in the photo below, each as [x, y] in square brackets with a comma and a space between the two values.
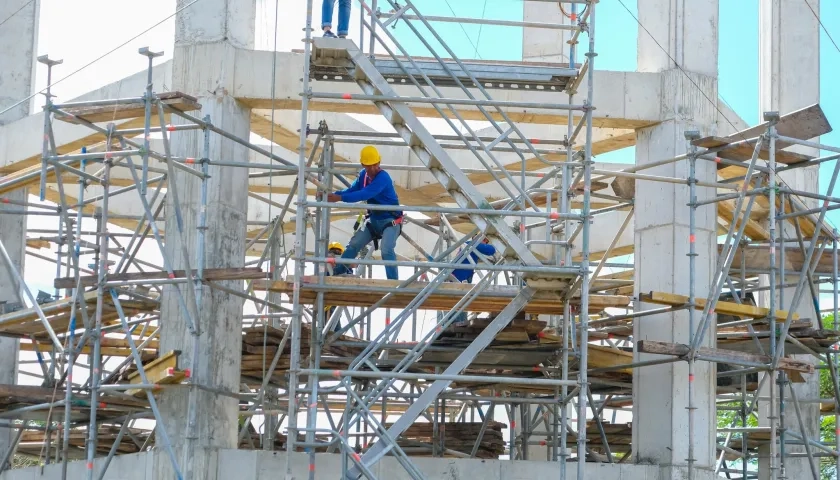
[626, 99]
[20, 141]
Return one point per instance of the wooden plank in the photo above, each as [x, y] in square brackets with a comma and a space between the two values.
[759, 258]
[804, 124]
[728, 308]
[211, 274]
[753, 229]
[720, 356]
[158, 369]
[494, 299]
[122, 111]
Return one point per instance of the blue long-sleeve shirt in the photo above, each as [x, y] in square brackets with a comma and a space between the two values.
[378, 190]
[467, 275]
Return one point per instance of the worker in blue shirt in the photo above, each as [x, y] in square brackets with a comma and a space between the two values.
[374, 186]
[464, 275]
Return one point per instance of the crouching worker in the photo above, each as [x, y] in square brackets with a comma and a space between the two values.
[374, 186]
[465, 275]
[334, 249]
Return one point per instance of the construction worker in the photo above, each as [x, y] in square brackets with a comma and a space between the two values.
[374, 186]
[335, 249]
[343, 17]
[464, 275]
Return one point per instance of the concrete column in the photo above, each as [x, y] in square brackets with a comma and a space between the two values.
[18, 46]
[789, 79]
[205, 41]
[662, 236]
[543, 45]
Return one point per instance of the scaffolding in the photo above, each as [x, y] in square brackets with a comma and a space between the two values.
[346, 364]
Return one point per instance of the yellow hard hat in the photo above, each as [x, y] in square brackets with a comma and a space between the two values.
[336, 246]
[370, 156]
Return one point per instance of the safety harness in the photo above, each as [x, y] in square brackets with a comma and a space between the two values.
[376, 236]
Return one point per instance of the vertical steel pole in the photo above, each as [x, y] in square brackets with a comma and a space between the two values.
[774, 459]
[584, 267]
[692, 299]
[102, 271]
[300, 250]
[836, 294]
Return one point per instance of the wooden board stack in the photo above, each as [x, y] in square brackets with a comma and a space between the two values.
[457, 436]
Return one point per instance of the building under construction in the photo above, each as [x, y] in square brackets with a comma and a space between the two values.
[672, 319]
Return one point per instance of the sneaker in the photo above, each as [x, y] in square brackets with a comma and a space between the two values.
[329, 34]
[342, 36]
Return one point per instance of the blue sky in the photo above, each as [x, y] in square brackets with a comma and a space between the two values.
[616, 46]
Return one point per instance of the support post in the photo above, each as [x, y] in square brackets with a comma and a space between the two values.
[18, 49]
[663, 237]
[789, 80]
[199, 420]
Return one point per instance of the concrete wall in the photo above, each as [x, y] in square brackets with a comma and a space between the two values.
[256, 464]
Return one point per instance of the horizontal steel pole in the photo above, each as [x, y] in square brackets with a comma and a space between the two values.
[461, 266]
[433, 377]
[168, 128]
[446, 146]
[98, 103]
[656, 178]
[806, 143]
[483, 138]
[807, 212]
[484, 21]
[74, 171]
[809, 163]
[445, 101]
[428, 209]
[93, 156]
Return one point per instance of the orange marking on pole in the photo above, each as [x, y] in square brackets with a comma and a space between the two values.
[387, 321]
[170, 128]
[187, 373]
[90, 465]
[347, 96]
[540, 175]
[512, 424]
[554, 215]
[535, 141]
[692, 238]
[521, 228]
[189, 161]
[690, 377]
[171, 275]
[311, 467]
[5, 200]
[717, 159]
[573, 17]
[337, 373]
